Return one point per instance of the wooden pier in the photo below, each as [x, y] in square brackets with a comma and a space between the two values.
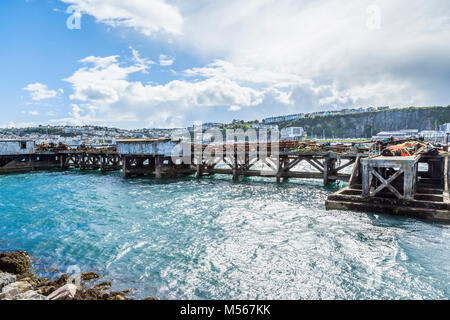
[396, 185]
[149, 158]
[155, 158]
[92, 160]
[282, 167]
[416, 185]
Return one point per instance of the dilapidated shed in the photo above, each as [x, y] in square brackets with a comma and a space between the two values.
[151, 157]
[148, 147]
[17, 147]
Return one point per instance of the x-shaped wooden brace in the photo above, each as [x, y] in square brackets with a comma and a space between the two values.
[387, 183]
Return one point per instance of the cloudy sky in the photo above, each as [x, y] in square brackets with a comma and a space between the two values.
[167, 63]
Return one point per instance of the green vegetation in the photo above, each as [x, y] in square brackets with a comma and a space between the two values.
[366, 124]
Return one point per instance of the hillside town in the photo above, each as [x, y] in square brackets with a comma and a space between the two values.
[80, 135]
[101, 136]
[322, 114]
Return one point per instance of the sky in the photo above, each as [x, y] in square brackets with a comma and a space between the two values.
[168, 63]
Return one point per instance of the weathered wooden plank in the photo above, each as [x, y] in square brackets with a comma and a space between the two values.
[421, 213]
[345, 165]
[386, 183]
[445, 194]
[343, 195]
[355, 172]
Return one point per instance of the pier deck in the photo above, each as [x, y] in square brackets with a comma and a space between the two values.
[397, 186]
[386, 184]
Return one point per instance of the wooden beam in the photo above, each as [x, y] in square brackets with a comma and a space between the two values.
[445, 194]
[355, 172]
[366, 181]
[294, 162]
[387, 183]
[345, 165]
[310, 161]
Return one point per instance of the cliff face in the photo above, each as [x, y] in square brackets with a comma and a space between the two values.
[370, 123]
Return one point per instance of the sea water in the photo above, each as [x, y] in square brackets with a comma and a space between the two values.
[213, 238]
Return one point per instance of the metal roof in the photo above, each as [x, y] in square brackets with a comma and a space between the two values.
[143, 140]
[16, 140]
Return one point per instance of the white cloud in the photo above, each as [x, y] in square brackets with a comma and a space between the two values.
[31, 112]
[51, 113]
[294, 55]
[327, 43]
[39, 91]
[105, 93]
[13, 124]
[234, 108]
[311, 37]
[165, 60]
[145, 16]
[139, 61]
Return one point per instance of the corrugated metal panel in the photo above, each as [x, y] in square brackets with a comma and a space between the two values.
[146, 147]
[13, 147]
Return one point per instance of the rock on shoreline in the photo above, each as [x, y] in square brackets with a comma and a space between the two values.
[17, 282]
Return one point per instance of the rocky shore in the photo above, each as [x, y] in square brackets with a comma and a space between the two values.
[18, 282]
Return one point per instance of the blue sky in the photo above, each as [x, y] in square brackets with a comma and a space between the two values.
[156, 63]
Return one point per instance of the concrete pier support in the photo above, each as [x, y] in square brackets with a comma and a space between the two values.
[125, 163]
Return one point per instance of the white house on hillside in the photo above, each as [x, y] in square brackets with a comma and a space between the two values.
[445, 127]
[292, 133]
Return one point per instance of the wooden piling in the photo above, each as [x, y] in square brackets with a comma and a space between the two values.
[326, 164]
[159, 167]
[125, 167]
[199, 171]
[235, 168]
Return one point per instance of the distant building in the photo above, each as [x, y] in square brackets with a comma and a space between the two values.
[154, 147]
[389, 134]
[401, 134]
[432, 134]
[211, 125]
[265, 126]
[292, 133]
[445, 127]
[72, 131]
[273, 120]
[206, 126]
[411, 132]
[293, 116]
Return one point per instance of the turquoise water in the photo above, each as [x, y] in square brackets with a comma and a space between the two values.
[215, 239]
